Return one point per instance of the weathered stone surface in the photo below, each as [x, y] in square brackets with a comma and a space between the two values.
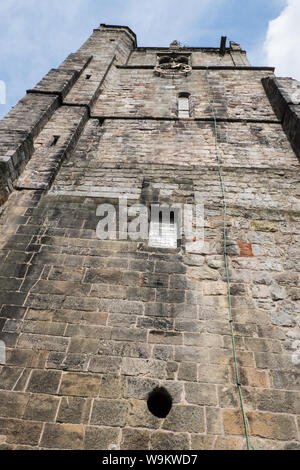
[135, 439]
[285, 380]
[281, 319]
[202, 442]
[169, 441]
[12, 405]
[139, 387]
[21, 432]
[254, 377]
[42, 381]
[185, 418]
[109, 413]
[92, 326]
[201, 394]
[143, 367]
[17, 134]
[187, 371]
[57, 81]
[74, 410]
[278, 426]
[78, 384]
[275, 400]
[140, 416]
[229, 443]
[41, 408]
[97, 438]
[233, 422]
[213, 420]
[111, 386]
[9, 377]
[105, 364]
[29, 341]
[63, 436]
[284, 97]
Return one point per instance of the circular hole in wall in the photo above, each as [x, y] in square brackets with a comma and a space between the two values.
[159, 402]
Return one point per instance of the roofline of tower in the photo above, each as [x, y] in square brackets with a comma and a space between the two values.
[182, 49]
[132, 35]
[129, 31]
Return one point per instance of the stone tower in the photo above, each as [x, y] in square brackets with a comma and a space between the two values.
[164, 342]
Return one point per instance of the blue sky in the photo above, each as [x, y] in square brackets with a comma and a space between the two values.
[37, 35]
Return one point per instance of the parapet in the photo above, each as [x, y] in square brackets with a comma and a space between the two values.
[284, 96]
[114, 28]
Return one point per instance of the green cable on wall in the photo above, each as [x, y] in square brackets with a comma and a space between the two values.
[212, 105]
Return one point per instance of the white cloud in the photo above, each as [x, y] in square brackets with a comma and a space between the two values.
[36, 35]
[159, 22]
[283, 40]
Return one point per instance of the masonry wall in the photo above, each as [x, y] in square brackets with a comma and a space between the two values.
[92, 326]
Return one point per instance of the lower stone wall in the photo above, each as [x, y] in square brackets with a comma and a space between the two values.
[92, 326]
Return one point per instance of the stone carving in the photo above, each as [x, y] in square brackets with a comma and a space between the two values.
[173, 65]
[175, 45]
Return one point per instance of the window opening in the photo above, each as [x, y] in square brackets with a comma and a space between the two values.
[183, 106]
[55, 140]
[165, 226]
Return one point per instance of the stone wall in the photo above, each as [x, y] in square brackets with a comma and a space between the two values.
[139, 93]
[92, 326]
[205, 56]
[284, 95]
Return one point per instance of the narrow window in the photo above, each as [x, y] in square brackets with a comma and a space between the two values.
[160, 223]
[55, 140]
[87, 77]
[172, 218]
[183, 105]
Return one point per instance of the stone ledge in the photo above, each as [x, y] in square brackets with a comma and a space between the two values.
[46, 161]
[76, 62]
[203, 67]
[284, 96]
[26, 120]
[115, 28]
[57, 82]
[17, 131]
[60, 81]
[177, 119]
[16, 149]
[72, 99]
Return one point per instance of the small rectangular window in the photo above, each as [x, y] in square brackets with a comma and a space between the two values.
[164, 227]
[183, 107]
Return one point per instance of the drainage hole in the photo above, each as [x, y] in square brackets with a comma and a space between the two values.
[159, 402]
